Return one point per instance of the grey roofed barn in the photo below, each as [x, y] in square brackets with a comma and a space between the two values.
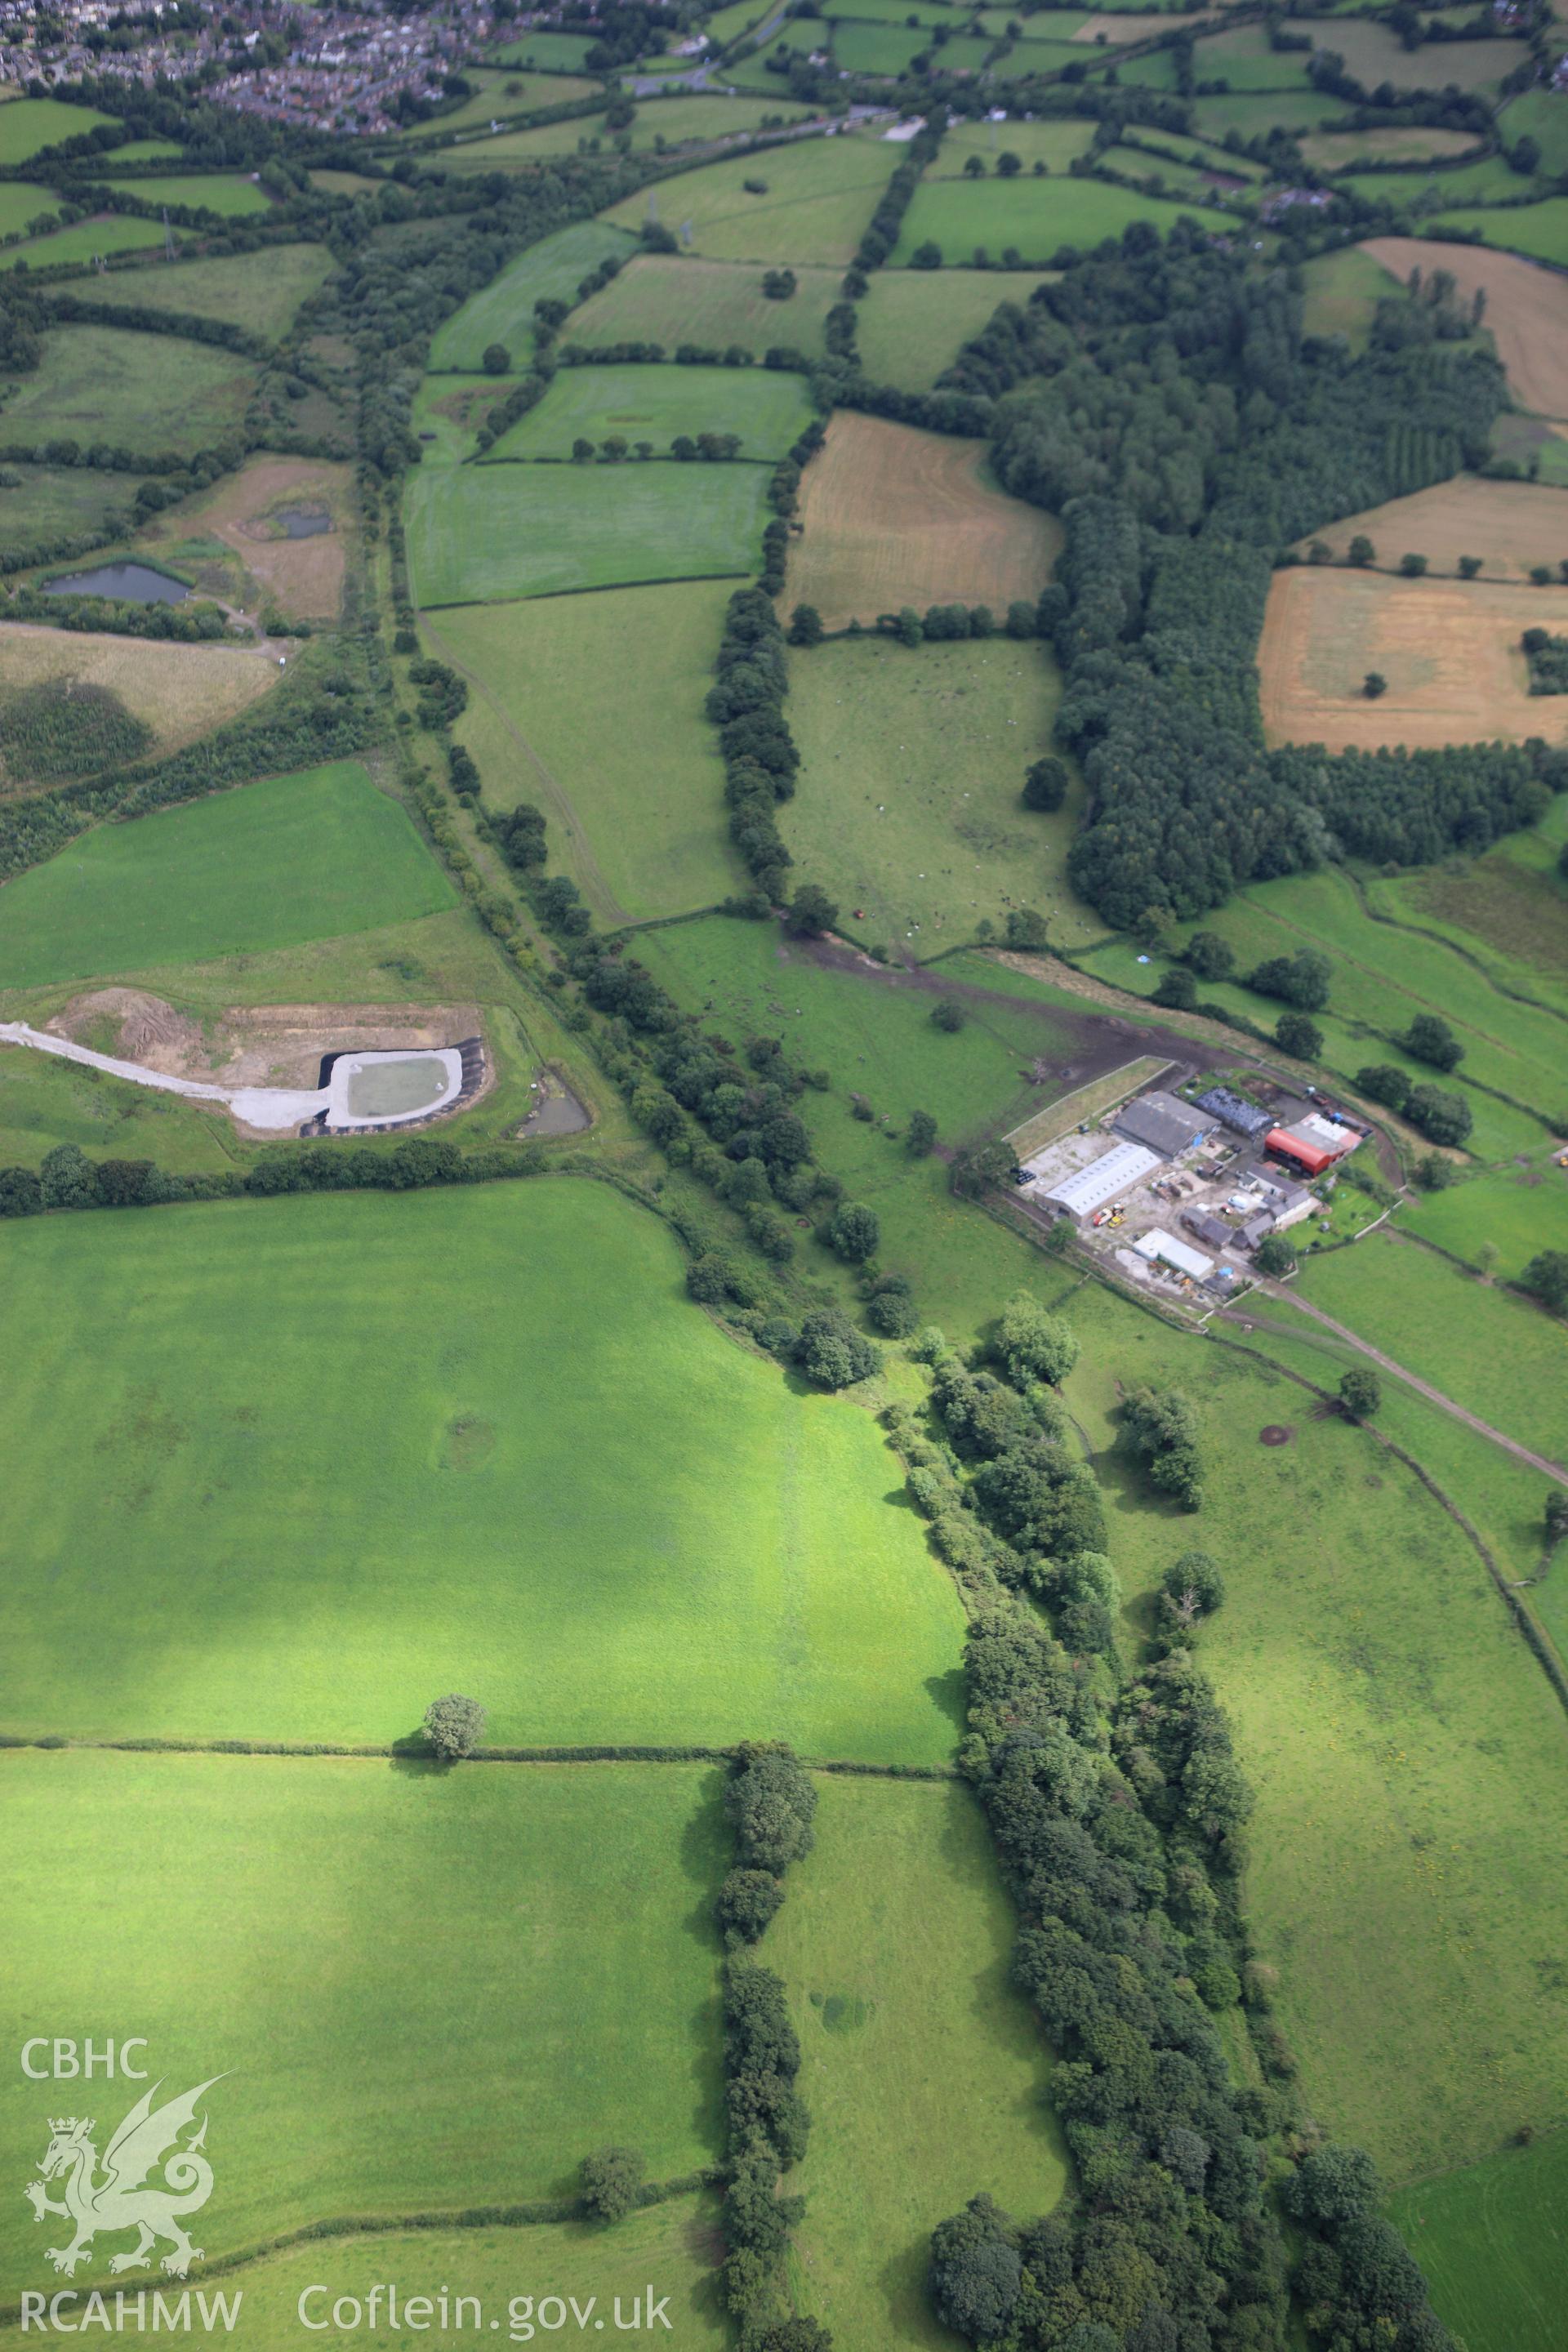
[1163, 1124]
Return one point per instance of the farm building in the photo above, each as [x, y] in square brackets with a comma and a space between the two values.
[1090, 1188]
[1231, 1110]
[1163, 1248]
[1287, 1203]
[1206, 1227]
[1313, 1143]
[1161, 1121]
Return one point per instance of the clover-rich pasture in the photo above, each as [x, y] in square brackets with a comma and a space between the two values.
[334, 1456]
[768, 409]
[642, 836]
[287, 859]
[895, 1944]
[314, 1929]
[476, 534]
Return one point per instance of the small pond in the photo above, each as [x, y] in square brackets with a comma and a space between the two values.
[302, 523]
[135, 583]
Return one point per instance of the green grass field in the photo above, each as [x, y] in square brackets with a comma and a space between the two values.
[908, 799]
[1505, 909]
[1244, 59]
[911, 325]
[147, 150]
[90, 240]
[818, 195]
[1533, 115]
[260, 290]
[483, 534]
[768, 408]
[1515, 1211]
[146, 393]
[675, 2245]
[52, 502]
[873, 1031]
[1373, 53]
[671, 298]
[1342, 291]
[337, 1455]
[1405, 1748]
[1541, 231]
[1254, 114]
[20, 202]
[29, 124]
[502, 312]
[1489, 1351]
[629, 775]
[1056, 144]
[895, 1942]
[550, 53]
[213, 191]
[424, 1990]
[295, 857]
[661, 125]
[498, 95]
[1492, 2241]
[1424, 188]
[1035, 217]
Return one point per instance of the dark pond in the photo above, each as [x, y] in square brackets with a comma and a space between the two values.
[136, 584]
[557, 1112]
[302, 523]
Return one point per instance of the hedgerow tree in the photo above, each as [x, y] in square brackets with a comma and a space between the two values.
[1210, 956]
[454, 1725]
[1429, 1039]
[612, 2179]
[1361, 1393]
[920, 1136]
[1276, 1255]
[811, 911]
[1295, 1034]
[1546, 1278]
[495, 359]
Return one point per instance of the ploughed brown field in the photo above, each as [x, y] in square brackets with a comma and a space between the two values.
[1449, 650]
[1511, 526]
[1527, 310]
[893, 517]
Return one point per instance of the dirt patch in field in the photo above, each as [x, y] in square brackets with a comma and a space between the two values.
[255, 1044]
[1527, 310]
[1448, 650]
[1511, 526]
[303, 577]
[893, 517]
[1279, 1432]
[179, 692]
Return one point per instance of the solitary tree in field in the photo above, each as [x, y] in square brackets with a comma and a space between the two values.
[611, 2179]
[496, 358]
[454, 1725]
[1429, 1039]
[1541, 575]
[1413, 566]
[975, 167]
[1177, 990]
[1361, 551]
[1361, 1393]
[1546, 1278]
[1374, 684]
[1469, 566]
[948, 1014]
[920, 1134]
[1046, 784]
[1295, 1034]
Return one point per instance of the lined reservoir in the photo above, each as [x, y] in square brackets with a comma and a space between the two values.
[134, 583]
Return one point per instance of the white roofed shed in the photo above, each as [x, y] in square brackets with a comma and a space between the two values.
[1105, 1178]
[1167, 1250]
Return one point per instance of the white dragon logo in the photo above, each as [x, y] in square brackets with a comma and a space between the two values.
[122, 2200]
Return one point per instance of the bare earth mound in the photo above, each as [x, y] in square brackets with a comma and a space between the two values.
[179, 691]
[892, 517]
[1511, 526]
[1449, 650]
[1527, 310]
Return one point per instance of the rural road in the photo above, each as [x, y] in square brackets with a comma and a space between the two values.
[1552, 1470]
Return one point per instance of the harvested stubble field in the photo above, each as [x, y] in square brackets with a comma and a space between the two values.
[310, 1929]
[817, 196]
[911, 323]
[177, 691]
[1526, 313]
[339, 1453]
[304, 576]
[1448, 650]
[487, 534]
[674, 299]
[1511, 526]
[769, 408]
[261, 291]
[891, 515]
[642, 832]
[144, 393]
[895, 1945]
[502, 311]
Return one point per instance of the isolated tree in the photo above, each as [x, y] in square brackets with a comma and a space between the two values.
[1275, 1256]
[1034, 1345]
[1210, 956]
[975, 167]
[1302, 980]
[1025, 929]
[1442, 1118]
[1295, 1034]
[920, 1134]
[1192, 1588]
[1361, 551]
[611, 2178]
[1546, 1278]
[1361, 1393]
[1319, 552]
[496, 358]
[1556, 1516]
[949, 1015]
[1046, 784]
[454, 1725]
[1385, 1082]
[811, 911]
[805, 626]
[1469, 566]
[1429, 1039]
[1176, 988]
[1374, 685]
[853, 1232]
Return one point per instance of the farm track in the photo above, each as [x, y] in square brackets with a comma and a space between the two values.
[1240, 1314]
[607, 905]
